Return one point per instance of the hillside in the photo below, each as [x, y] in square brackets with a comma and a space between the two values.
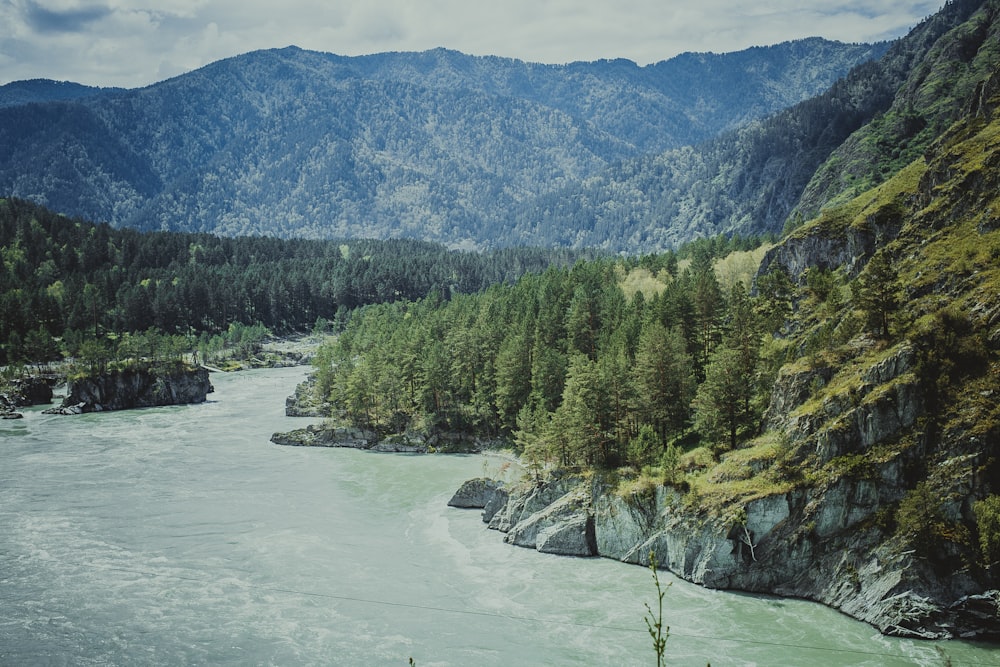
[752, 180]
[70, 279]
[435, 145]
[34, 91]
[834, 435]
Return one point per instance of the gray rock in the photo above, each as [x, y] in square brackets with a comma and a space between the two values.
[322, 436]
[475, 493]
[573, 536]
[565, 526]
[134, 388]
[496, 503]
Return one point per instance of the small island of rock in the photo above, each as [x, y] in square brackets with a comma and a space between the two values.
[134, 388]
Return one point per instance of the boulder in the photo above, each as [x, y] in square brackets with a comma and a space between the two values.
[475, 493]
[565, 526]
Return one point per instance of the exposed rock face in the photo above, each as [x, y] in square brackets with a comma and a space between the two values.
[823, 541]
[475, 493]
[849, 249]
[304, 403]
[321, 436]
[123, 390]
[400, 443]
[564, 527]
[32, 390]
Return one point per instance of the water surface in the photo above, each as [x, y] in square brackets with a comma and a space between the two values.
[182, 536]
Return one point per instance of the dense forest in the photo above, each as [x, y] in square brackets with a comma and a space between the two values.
[76, 280]
[601, 363]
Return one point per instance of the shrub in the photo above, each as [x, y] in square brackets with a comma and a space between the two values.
[988, 524]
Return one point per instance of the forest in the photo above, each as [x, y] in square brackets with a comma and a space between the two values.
[608, 362]
[66, 281]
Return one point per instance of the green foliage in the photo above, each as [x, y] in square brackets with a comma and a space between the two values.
[921, 519]
[658, 631]
[876, 292]
[644, 448]
[60, 274]
[987, 513]
[774, 304]
[663, 380]
[560, 362]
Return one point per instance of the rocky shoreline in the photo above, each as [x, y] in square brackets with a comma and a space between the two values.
[829, 538]
[763, 552]
[355, 438]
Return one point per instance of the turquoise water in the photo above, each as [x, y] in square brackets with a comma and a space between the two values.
[181, 536]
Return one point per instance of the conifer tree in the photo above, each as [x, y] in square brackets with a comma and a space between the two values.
[876, 292]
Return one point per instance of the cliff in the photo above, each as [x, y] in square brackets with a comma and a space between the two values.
[873, 482]
[134, 388]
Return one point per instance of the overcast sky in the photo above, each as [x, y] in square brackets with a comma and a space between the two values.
[131, 43]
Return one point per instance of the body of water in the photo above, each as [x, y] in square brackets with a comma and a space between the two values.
[182, 536]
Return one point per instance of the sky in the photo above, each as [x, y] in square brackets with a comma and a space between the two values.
[129, 43]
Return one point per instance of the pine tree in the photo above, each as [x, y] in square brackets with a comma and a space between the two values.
[876, 292]
[663, 378]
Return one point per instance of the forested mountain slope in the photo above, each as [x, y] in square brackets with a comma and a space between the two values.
[68, 278]
[434, 145]
[834, 435]
[31, 91]
[750, 180]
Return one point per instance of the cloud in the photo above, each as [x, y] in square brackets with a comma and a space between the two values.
[132, 42]
[45, 20]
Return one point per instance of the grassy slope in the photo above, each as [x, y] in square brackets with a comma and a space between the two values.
[947, 257]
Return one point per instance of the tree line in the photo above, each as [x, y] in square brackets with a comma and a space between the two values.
[566, 365]
[65, 280]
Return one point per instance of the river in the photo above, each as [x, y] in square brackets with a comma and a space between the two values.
[182, 536]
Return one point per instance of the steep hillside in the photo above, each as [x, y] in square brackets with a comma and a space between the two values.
[937, 92]
[436, 145]
[869, 479]
[750, 180]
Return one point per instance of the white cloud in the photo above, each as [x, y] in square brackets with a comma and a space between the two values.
[132, 43]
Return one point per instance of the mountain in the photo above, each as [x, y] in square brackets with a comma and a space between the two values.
[834, 436]
[32, 91]
[435, 145]
[751, 180]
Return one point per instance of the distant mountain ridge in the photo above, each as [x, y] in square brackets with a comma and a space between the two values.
[756, 178]
[435, 145]
[32, 91]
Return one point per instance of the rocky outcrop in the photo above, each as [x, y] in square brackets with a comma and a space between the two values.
[475, 493]
[400, 443]
[824, 540]
[813, 544]
[25, 391]
[848, 249]
[134, 388]
[304, 402]
[324, 436]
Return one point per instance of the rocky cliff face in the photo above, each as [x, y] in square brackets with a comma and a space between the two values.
[123, 390]
[861, 491]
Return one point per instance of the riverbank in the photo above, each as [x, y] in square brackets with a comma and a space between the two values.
[764, 551]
